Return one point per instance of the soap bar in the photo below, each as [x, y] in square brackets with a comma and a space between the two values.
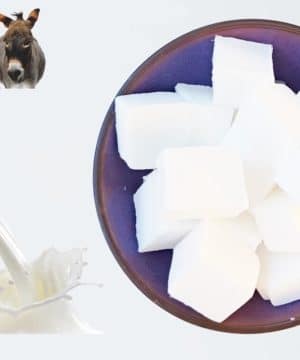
[154, 230]
[242, 228]
[238, 67]
[266, 123]
[278, 222]
[213, 274]
[199, 94]
[288, 172]
[202, 182]
[279, 279]
[148, 123]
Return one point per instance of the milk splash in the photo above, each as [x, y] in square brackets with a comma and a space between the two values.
[34, 297]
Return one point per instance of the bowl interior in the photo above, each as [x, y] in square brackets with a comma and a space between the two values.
[186, 59]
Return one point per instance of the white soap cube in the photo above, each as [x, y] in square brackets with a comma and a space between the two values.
[239, 66]
[199, 94]
[288, 172]
[149, 123]
[243, 55]
[278, 222]
[242, 228]
[266, 123]
[154, 230]
[212, 273]
[202, 182]
[279, 278]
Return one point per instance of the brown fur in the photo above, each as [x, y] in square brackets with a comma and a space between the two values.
[5, 20]
[18, 27]
[33, 16]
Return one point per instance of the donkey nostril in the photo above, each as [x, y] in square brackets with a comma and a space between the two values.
[14, 74]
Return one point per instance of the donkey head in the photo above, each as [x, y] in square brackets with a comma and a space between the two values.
[18, 41]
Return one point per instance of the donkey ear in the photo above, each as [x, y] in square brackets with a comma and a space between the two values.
[5, 20]
[32, 17]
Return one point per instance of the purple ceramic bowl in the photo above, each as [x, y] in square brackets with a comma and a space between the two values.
[186, 59]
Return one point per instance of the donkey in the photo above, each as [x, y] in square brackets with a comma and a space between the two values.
[22, 61]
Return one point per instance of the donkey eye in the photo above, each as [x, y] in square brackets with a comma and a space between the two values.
[6, 44]
[26, 45]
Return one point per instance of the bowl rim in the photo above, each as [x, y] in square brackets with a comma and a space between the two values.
[201, 32]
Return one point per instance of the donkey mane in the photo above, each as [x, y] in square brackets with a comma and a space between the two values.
[18, 15]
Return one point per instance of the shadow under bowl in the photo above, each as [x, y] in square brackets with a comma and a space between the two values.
[186, 59]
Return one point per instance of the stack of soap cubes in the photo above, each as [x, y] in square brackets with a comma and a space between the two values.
[224, 192]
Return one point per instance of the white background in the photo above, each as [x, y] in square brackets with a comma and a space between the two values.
[47, 141]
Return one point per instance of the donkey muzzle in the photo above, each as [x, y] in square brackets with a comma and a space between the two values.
[15, 70]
